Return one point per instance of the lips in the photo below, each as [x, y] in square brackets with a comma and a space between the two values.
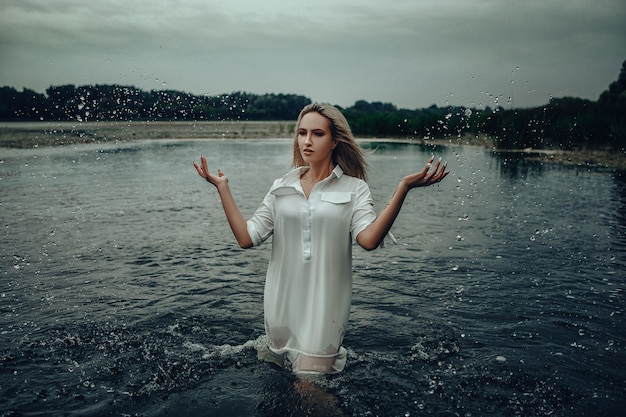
[307, 151]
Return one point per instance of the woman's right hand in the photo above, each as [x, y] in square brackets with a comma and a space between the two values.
[203, 171]
[236, 221]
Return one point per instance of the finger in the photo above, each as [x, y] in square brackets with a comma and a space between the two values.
[205, 167]
[427, 167]
[198, 169]
[435, 169]
[442, 172]
[437, 165]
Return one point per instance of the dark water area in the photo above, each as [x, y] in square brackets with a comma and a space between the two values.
[123, 292]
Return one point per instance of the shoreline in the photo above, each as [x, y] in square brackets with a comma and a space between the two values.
[28, 134]
[37, 134]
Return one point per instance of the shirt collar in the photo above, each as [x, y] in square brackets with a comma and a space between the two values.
[292, 178]
[337, 172]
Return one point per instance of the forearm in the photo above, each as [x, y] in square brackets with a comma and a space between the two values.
[235, 219]
[373, 235]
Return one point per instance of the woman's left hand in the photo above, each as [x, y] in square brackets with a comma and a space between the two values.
[426, 176]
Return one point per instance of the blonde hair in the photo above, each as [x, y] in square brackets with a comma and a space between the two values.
[347, 154]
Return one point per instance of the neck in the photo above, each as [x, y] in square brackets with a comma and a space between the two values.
[319, 172]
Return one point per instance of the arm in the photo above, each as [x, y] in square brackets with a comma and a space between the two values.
[371, 237]
[235, 219]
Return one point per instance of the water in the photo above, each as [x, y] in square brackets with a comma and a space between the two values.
[123, 291]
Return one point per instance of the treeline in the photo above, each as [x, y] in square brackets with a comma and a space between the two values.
[566, 123]
[116, 102]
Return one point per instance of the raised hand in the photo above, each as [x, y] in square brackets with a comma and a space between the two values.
[236, 221]
[426, 176]
[203, 171]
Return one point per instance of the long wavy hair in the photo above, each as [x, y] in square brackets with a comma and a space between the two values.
[347, 153]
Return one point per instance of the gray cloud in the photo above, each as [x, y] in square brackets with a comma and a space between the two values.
[411, 53]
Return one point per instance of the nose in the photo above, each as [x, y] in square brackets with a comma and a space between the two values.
[307, 139]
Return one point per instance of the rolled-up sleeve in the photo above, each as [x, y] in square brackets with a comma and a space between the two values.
[363, 214]
[261, 224]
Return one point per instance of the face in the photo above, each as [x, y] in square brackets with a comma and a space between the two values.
[315, 138]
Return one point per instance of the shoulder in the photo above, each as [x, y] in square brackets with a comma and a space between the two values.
[352, 182]
[286, 184]
[341, 176]
[290, 177]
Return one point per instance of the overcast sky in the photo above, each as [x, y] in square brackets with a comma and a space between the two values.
[412, 53]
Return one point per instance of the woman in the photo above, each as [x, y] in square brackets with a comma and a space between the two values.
[314, 213]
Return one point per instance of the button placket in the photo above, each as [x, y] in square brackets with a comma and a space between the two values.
[306, 213]
[306, 231]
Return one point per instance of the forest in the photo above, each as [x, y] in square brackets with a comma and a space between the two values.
[566, 123]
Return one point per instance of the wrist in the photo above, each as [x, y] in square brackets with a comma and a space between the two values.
[222, 187]
[403, 188]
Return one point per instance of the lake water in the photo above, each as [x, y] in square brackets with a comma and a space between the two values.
[123, 292]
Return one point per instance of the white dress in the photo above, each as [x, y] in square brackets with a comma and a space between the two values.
[308, 287]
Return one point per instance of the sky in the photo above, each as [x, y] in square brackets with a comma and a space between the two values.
[411, 53]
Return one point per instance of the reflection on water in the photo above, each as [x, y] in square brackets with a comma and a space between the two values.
[515, 166]
[123, 291]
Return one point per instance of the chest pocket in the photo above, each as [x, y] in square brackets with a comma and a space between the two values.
[336, 197]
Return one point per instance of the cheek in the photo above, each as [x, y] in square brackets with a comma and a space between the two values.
[299, 142]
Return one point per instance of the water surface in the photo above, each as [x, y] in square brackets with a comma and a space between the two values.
[123, 291]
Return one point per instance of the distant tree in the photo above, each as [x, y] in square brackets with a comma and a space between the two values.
[567, 122]
[24, 105]
[616, 90]
[612, 105]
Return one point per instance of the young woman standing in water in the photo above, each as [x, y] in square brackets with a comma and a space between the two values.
[314, 213]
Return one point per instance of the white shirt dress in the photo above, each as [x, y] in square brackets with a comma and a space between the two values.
[308, 286]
